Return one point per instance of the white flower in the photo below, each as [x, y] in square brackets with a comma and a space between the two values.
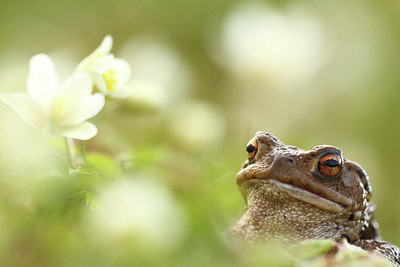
[62, 110]
[197, 125]
[144, 210]
[109, 74]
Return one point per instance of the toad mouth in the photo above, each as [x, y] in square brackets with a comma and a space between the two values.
[328, 199]
[308, 197]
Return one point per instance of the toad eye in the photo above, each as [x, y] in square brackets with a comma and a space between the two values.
[329, 165]
[251, 149]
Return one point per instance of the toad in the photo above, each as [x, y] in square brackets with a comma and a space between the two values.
[294, 195]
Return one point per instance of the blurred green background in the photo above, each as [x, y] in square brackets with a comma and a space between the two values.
[160, 187]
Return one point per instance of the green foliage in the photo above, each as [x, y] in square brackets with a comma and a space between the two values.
[103, 164]
[151, 191]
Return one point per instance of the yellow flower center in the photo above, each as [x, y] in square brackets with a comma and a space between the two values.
[59, 110]
[109, 79]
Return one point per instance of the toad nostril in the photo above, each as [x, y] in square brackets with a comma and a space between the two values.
[289, 160]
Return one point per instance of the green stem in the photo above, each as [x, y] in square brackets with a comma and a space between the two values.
[83, 152]
[70, 151]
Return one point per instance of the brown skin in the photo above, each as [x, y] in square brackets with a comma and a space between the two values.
[294, 195]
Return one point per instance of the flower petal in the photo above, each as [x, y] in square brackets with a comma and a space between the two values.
[122, 70]
[100, 64]
[26, 108]
[76, 88]
[105, 46]
[99, 82]
[70, 97]
[121, 92]
[101, 51]
[42, 81]
[88, 109]
[84, 131]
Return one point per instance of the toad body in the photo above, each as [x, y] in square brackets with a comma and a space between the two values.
[294, 195]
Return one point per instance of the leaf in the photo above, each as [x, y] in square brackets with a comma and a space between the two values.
[103, 164]
[311, 248]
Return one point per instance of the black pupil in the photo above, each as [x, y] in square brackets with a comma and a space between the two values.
[250, 148]
[331, 163]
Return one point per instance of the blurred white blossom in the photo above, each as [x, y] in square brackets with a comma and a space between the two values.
[197, 125]
[279, 47]
[61, 110]
[147, 96]
[141, 209]
[156, 64]
[109, 74]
